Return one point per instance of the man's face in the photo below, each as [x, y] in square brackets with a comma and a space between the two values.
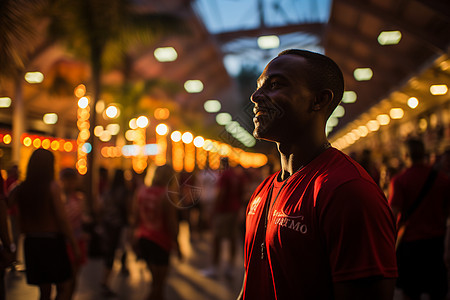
[283, 100]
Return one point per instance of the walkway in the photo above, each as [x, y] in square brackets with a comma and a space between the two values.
[185, 280]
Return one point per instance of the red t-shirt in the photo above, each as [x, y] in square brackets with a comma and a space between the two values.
[232, 186]
[429, 218]
[152, 220]
[329, 223]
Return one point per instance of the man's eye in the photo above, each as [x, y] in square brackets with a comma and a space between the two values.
[274, 84]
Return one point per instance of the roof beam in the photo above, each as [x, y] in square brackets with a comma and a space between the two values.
[390, 51]
[387, 73]
[435, 43]
[440, 7]
[316, 29]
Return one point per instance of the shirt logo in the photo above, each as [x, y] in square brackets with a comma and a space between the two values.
[290, 222]
[254, 205]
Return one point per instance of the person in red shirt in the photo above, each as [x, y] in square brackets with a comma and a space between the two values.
[420, 253]
[75, 206]
[230, 190]
[156, 227]
[320, 228]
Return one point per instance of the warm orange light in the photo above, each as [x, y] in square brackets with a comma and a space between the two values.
[54, 145]
[177, 156]
[161, 113]
[115, 152]
[214, 160]
[83, 125]
[80, 90]
[84, 115]
[224, 149]
[110, 151]
[199, 141]
[27, 141]
[162, 129]
[383, 119]
[112, 112]
[208, 145]
[189, 158]
[187, 137]
[84, 134]
[104, 152]
[261, 160]
[233, 156]
[83, 103]
[36, 142]
[82, 170]
[142, 122]
[139, 165]
[7, 139]
[81, 163]
[139, 161]
[202, 156]
[161, 142]
[176, 136]
[68, 146]
[46, 143]
[61, 144]
[438, 89]
[396, 113]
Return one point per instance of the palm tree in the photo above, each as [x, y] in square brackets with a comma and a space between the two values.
[19, 45]
[92, 29]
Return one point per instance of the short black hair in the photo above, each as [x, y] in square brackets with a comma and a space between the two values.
[325, 74]
[68, 173]
[416, 149]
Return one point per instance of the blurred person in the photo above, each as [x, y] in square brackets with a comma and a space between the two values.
[228, 202]
[155, 226]
[11, 183]
[420, 253]
[188, 200]
[138, 181]
[206, 181]
[94, 228]
[103, 181]
[114, 216]
[320, 228]
[7, 247]
[46, 227]
[369, 165]
[75, 206]
[444, 162]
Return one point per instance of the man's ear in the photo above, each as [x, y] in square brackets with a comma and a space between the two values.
[323, 99]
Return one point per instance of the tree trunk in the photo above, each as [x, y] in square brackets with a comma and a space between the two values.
[92, 170]
[18, 124]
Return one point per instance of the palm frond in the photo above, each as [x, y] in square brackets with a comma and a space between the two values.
[17, 33]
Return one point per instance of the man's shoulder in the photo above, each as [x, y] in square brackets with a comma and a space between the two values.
[265, 184]
[337, 167]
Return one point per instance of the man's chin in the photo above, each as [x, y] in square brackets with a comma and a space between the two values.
[260, 133]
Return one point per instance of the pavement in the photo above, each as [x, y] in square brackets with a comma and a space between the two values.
[185, 281]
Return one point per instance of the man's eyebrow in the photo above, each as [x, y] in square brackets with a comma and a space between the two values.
[261, 80]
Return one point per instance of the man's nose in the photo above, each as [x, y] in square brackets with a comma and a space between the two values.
[256, 96]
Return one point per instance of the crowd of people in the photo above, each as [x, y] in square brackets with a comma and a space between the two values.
[61, 231]
[324, 226]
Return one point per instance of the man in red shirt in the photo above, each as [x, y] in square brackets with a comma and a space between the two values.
[228, 203]
[320, 228]
[420, 253]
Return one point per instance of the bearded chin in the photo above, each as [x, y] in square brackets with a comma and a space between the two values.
[260, 131]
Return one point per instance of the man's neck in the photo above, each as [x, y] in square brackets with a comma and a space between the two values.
[295, 156]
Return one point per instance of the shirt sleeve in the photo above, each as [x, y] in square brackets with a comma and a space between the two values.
[396, 193]
[359, 232]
